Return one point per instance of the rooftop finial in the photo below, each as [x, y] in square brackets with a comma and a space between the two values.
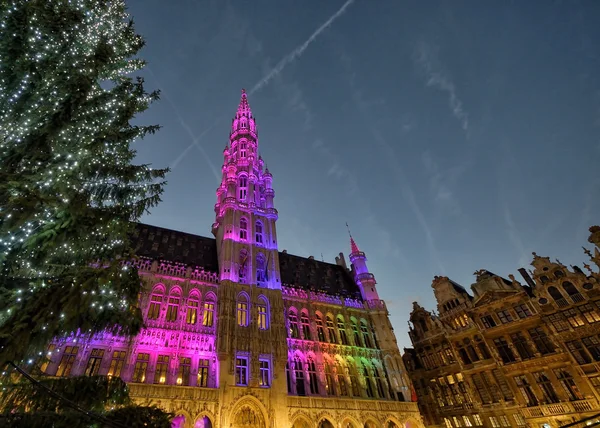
[353, 245]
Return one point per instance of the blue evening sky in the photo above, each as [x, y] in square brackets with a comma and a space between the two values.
[451, 135]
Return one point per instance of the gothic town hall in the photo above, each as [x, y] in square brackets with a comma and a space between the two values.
[238, 334]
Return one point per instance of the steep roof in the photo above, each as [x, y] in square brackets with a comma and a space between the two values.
[193, 250]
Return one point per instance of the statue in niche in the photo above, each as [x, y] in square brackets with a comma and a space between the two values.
[243, 261]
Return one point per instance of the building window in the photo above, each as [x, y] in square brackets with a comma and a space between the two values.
[504, 421]
[241, 371]
[172, 308]
[258, 229]
[448, 423]
[556, 295]
[574, 317]
[116, 364]
[243, 187]
[299, 373]
[320, 328]
[477, 420]
[305, 326]
[312, 376]
[263, 320]
[522, 346]
[331, 330]
[526, 391]
[243, 229]
[342, 330]
[467, 421]
[592, 344]
[541, 340]
[558, 322]
[595, 380]
[368, 381]
[365, 333]
[192, 311]
[162, 366]
[141, 365]
[341, 378]
[355, 333]
[288, 378]
[183, 373]
[67, 361]
[329, 383]
[576, 349]
[457, 422]
[378, 382]
[94, 362]
[520, 420]
[208, 314]
[504, 350]
[242, 269]
[488, 321]
[261, 269]
[568, 384]
[242, 310]
[590, 313]
[494, 422]
[203, 366]
[522, 311]
[265, 374]
[546, 386]
[154, 309]
[294, 331]
[504, 317]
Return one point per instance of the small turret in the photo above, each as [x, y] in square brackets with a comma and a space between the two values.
[364, 279]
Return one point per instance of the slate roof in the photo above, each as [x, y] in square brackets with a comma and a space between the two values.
[306, 273]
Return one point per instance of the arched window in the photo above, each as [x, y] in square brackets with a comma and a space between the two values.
[312, 376]
[342, 330]
[305, 326]
[243, 267]
[341, 378]
[331, 330]
[243, 182]
[263, 313]
[243, 229]
[355, 334]
[191, 316]
[293, 319]
[329, 382]
[320, 328]
[243, 146]
[261, 274]
[299, 373]
[155, 303]
[559, 273]
[208, 315]
[557, 296]
[258, 232]
[365, 333]
[572, 292]
[378, 382]
[242, 310]
[352, 372]
[173, 306]
[368, 381]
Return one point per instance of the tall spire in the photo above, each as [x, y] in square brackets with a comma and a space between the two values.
[244, 107]
[353, 247]
[243, 122]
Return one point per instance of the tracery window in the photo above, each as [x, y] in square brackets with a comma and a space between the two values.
[293, 319]
[243, 229]
[261, 273]
[312, 376]
[342, 330]
[368, 381]
[305, 326]
[299, 373]
[243, 267]
[154, 309]
[355, 334]
[331, 330]
[243, 182]
[341, 378]
[242, 310]
[263, 317]
[329, 382]
[320, 328]
[173, 307]
[365, 333]
[208, 315]
[378, 382]
[258, 232]
[191, 316]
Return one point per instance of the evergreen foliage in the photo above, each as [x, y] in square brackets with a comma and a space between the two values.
[69, 191]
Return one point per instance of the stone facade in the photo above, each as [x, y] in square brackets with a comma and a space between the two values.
[239, 334]
[510, 354]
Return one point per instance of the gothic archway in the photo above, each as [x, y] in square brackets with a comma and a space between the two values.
[301, 422]
[370, 423]
[325, 423]
[248, 417]
[203, 422]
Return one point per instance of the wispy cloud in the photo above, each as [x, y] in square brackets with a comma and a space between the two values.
[296, 53]
[336, 169]
[390, 155]
[441, 182]
[514, 235]
[426, 57]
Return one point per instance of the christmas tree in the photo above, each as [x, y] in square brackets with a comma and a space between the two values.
[69, 192]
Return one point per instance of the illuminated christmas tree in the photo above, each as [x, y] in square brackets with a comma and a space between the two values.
[68, 188]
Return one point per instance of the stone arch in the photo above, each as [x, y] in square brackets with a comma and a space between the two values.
[248, 412]
[302, 420]
[350, 422]
[159, 288]
[203, 421]
[325, 422]
[182, 419]
[176, 290]
[412, 423]
[392, 422]
[371, 422]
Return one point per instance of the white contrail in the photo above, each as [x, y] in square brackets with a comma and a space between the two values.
[269, 76]
[300, 49]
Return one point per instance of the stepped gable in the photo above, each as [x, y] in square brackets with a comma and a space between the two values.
[171, 245]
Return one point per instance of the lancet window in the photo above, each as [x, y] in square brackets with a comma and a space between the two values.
[242, 310]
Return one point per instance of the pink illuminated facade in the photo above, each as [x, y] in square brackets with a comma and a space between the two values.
[239, 334]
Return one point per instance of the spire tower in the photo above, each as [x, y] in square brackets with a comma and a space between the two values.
[362, 276]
